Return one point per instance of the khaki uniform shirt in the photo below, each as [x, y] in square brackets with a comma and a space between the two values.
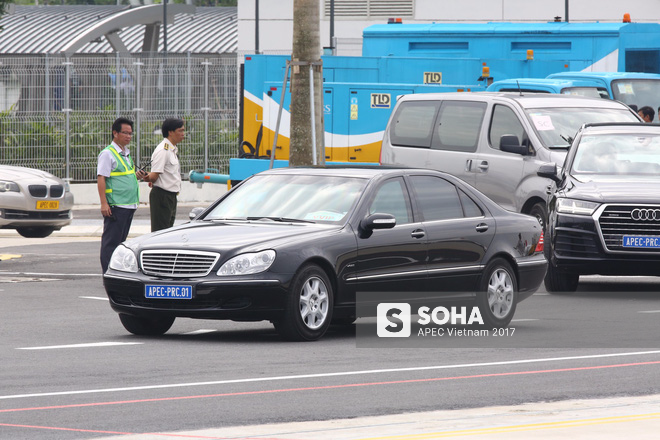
[165, 161]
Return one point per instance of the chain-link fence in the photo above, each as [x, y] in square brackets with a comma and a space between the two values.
[56, 113]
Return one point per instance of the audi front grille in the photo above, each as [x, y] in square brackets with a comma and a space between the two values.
[617, 221]
[181, 264]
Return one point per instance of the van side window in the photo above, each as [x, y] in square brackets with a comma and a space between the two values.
[391, 198]
[412, 124]
[458, 126]
[505, 121]
[437, 198]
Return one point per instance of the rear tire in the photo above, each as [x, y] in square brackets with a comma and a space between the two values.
[146, 326]
[498, 294]
[308, 307]
[35, 232]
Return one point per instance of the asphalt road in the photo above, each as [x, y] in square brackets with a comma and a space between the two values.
[70, 370]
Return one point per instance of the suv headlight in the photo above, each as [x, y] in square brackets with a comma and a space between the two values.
[577, 207]
[7, 186]
[123, 259]
[245, 264]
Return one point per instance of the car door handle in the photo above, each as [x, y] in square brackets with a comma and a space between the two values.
[483, 165]
[482, 227]
[417, 233]
[468, 165]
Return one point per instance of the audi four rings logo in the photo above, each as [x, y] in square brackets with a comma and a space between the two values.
[645, 215]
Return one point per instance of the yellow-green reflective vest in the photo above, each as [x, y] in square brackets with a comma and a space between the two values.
[121, 188]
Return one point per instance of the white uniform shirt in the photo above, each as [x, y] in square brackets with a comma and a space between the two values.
[165, 161]
[107, 162]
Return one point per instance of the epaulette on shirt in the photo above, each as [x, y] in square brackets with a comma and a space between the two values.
[166, 147]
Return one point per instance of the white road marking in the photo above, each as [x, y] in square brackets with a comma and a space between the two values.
[201, 332]
[524, 319]
[649, 311]
[93, 344]
[53, 274]
[95, 297]
[337, 374]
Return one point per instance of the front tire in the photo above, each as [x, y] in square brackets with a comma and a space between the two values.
[146, 326]
[540, 212]
[308, 307]
[557, 283]
[35, 232]
[498, 294]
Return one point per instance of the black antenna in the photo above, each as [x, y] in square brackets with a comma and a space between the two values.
[518, 84]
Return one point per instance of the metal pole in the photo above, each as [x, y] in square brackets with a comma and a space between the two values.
[47, 87]
[188, 84]
[165, 27]
[206, 113]
[279, 114]
[138, 109]
[313, 112]
[332, 27]
[117, 85]
[256, 26]
[566, 10]
[67, 117]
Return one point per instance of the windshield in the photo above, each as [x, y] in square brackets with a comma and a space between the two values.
[304, 198]
[590, 92]
[618, 154]
[638, 92]
[556, 127]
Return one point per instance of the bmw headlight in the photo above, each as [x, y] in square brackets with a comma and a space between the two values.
[245, 264]
[577, 207]
[123, 259]
[7, 186]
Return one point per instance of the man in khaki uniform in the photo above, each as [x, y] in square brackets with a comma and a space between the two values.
[165, 175]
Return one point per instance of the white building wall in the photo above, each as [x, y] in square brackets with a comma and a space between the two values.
[276, 18]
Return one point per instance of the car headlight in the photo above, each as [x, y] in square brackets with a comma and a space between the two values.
[577, 207]
[123, 259]
[245, 264]
[7, 186]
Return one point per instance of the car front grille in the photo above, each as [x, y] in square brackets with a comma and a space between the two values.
[177, 263]
[14, 214]
[41, 191]
[617, 221]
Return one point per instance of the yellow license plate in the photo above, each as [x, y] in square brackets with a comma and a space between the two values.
[48, 204]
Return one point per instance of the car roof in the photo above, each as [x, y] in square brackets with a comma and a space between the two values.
[631, 128]
[360, 171]
[526, 100]
[606, 75]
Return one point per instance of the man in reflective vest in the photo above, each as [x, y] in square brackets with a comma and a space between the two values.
[117, 183]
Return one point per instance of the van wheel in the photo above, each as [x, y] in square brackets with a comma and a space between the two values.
[540, 212]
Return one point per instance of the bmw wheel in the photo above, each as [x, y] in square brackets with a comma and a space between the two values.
[308, 309]
[35, 231]
[498, 295]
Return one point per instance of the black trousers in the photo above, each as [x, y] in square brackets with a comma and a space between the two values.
[115, 231]
[162, 207]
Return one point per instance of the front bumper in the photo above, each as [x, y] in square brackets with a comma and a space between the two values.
[20, 210]
[577, 247]
[213, 298]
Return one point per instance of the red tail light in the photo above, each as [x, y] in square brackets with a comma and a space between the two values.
[539, 245]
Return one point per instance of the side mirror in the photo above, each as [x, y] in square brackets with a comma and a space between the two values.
[195, 212]
[549, 171]
[510, 144]
[376, 221]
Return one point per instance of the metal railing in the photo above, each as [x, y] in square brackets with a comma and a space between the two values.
[56, 113]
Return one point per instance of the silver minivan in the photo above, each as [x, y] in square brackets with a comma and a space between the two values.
[494, 141]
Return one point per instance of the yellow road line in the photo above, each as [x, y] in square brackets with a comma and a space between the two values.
[4, 257]
[520, 428]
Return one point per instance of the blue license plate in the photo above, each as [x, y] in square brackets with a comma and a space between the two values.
[641, 242]
[167, 292]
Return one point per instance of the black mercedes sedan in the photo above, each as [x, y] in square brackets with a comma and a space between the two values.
[294, 245]
[604, 214]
